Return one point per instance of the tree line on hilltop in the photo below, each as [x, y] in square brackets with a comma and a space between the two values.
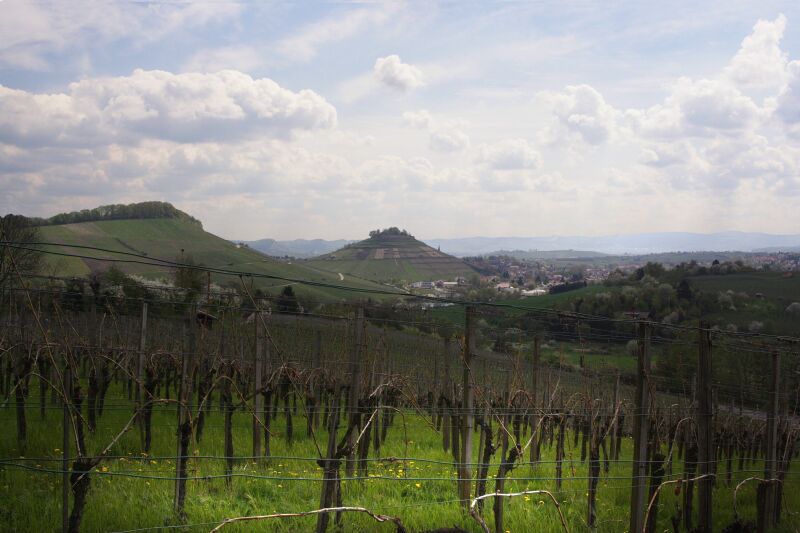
[142, 210]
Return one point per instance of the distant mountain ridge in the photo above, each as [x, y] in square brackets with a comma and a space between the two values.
[635, 244]
[639, 243]
[300, 248]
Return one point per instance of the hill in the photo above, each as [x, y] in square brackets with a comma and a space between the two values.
[164, 238]
[392, 255]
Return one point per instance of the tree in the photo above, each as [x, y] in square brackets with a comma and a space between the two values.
[188, 277]
[287, 301]
[17, 229]
[684, 290]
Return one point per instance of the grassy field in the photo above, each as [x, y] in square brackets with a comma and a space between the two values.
[132, 491]
[455, 313]
[165, 238]
[773, 285]
[777, 289]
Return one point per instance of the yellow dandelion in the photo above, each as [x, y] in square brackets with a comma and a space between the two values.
[418, 485]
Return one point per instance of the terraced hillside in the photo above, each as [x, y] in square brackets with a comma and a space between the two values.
[164, 238]
[392, 256]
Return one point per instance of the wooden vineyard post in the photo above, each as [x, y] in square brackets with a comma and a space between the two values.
[448, 398]
[354, 394]
[65, 484]
[465, 473]
[615, 413]
[705, 434]
[258, 399]
[184, 419]
[641, 424]
[768, 501]
[330, 464]
[534, 392]
[317, 366]
[140, 389]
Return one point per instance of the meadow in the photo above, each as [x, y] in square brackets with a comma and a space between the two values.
[133, 492]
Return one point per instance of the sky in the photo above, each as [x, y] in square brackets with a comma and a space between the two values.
[326, 120]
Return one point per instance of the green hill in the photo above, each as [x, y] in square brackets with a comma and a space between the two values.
[164, 238]
[392, 255]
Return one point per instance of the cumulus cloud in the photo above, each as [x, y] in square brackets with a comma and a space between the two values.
[512, 165]
[189, 107]
[707, 133]
[760, 62]
[443, 135]
[698, 108]
[509, 154]
[583, 112]
[392, 72]
[788, 101]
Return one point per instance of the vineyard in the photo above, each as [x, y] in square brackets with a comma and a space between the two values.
[221, 413]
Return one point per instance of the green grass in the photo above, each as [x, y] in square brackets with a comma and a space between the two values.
[778, 290]
[773, 285]
[454, 314]
[606, 359]
[549, 301]
[164, 239]
[421, 493]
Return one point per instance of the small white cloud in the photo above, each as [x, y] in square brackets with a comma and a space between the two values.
[392, 72]
[449, 140]
[509, 154]
[418, 119]
[443, 135]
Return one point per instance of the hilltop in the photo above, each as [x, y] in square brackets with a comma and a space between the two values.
[168, 233]
[392, 255]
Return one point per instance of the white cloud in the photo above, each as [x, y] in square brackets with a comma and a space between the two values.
[303, 45]
[582, 111]
[418, 119]
[392, 72]
[224, 106]
[242, 58]
[30, 31]
[788, 101]
[443, 135]
[760, 62]
[509, 154]
[703, 107]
